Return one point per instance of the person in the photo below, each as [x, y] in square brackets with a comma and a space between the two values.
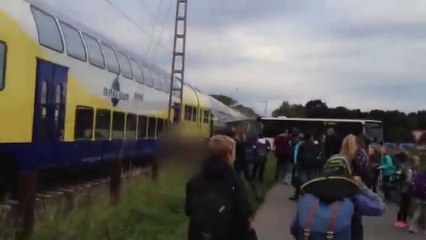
[262, 147]
[419, 194]
[308, 162]
[409, 170]
[361, 161]
[241, 164]
[351, 200]
[216, 202]
[283, 155]
[374, 152]
[388, 172]
[295, 180]
[332, 144]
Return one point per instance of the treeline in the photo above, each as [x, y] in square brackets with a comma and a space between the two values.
[397, 125]
[230, 102]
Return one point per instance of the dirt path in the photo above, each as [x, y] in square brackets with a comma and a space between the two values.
[274, 217]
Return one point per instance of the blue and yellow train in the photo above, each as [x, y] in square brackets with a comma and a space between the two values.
[71, 97]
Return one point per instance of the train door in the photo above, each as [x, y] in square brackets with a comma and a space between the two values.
[49, 109]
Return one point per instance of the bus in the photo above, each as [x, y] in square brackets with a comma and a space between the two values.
[372, 129]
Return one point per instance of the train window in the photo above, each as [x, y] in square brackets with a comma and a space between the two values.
[103, 124]
[194, 114]
[3, 52]
[126, 70]
[160, 126]
[152, 126]
[48, 32]
[118, 125]
[73, 42]
[131, 124]
[206, 116]
[111, 59]
[142, 130]
[94, 50]
[188, 113]
[137, 71]
[83, 128]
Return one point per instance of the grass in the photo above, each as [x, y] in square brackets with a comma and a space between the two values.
[148, 210]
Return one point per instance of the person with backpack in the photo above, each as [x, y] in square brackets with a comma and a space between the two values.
[409, 169]
[216, 202]
[332, 206]
[388, 172]
[261, 147]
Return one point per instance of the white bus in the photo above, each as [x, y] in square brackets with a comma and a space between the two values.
[371, 129]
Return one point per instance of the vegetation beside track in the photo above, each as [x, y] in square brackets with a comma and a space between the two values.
[147, 210]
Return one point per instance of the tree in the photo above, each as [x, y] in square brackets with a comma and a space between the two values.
[228, 101]
[289, 110]
[316, 109]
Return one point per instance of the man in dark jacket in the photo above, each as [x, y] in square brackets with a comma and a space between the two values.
[308, 161]
[216, 202]
[332, 144]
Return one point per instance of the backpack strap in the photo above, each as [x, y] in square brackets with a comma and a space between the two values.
[332, 221]
[309, 221]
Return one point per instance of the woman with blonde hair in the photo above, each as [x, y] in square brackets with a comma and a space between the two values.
[349, 147]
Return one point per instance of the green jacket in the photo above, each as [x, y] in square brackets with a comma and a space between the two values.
[386, 166]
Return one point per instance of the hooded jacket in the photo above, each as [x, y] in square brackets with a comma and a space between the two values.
[218, 170]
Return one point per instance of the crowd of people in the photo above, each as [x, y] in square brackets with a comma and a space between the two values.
[338, 176]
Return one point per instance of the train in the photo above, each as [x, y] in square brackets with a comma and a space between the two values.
[72, 98]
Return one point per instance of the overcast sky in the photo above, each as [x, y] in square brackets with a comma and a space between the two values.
[356, 53]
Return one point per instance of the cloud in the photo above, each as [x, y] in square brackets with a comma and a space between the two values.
[355, 53]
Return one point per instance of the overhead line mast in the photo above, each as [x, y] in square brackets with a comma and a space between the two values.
[177, 77]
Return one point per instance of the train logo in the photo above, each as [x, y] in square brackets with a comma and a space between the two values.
[115, 94]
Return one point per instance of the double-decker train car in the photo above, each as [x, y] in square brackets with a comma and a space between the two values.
[72, 98]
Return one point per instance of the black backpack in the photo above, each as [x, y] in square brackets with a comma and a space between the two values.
[308, 157]
[211, 208]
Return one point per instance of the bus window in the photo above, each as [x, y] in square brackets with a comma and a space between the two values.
[3, 52]
[48, 31]
[118, 125]
[103, 124]
[83, 128]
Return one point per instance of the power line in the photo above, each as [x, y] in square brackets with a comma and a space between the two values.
[163, 27]
[154, 30]
[131, 20]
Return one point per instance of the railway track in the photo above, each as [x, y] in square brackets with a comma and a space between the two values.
[67, 198]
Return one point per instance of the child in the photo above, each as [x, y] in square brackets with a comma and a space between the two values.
[388, 170]
[408, 170]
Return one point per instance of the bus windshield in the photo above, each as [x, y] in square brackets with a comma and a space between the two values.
[374, 131]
